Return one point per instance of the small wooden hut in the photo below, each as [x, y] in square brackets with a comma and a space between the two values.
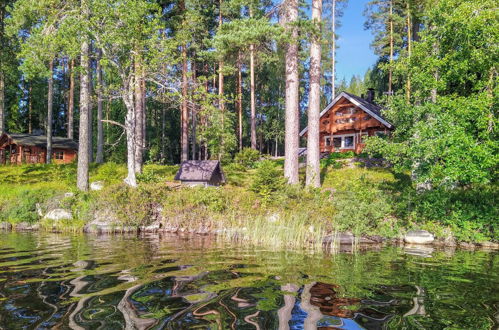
[200, 173]
[32, 149]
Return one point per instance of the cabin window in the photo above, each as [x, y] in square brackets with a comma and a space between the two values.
[348, 142]
[381, 134]
[59, 155]
[344, 141]
[327, 141]
[337, 142]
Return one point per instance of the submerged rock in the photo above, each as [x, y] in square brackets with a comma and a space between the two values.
[5, 226]
[58, 214]
[97, 185]
[419, 237]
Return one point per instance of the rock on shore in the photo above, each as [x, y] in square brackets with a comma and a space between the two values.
[419, 237]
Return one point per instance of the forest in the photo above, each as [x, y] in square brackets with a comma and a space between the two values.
[163, 81]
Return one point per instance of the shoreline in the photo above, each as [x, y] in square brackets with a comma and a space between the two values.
[343, 242]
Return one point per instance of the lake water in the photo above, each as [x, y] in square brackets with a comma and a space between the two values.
[113, 282]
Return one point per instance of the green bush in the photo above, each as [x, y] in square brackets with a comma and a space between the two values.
[268, 179]
[247, 157]
[23, 206]
[110, 173]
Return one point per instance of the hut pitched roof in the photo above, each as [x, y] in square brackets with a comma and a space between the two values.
[199, 170]
[31, 140]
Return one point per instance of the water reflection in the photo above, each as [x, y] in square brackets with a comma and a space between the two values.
[91, 282]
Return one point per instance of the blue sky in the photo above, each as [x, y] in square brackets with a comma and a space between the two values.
[354, 55]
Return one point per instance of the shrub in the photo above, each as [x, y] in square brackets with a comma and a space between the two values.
[268, 179]
[110, 173]
[247, 157]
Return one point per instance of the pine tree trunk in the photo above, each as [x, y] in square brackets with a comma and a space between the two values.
[139, 112]
[409, 50]
[313, 150]
[253, 105]
[292, 121]
[333, 55]
[194, 111]
[71, 99]
[30, 108]
[83, 137]
[252, 89]
[2, 74]
[221, 103]
[240, 101]
[390, 69]
[2, 100]
[50, 105]
[90, 108]
[184, 111]
[99, 158]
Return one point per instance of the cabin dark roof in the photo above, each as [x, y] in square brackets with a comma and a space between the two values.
[200, 170]
[373, 109]
[41, 141]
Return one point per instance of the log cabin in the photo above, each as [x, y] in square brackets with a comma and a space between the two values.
[347, 120]
[32, 149]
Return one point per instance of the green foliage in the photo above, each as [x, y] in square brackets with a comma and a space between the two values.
[22, 206]
[362, 207]
[268, 179]
[247, 157]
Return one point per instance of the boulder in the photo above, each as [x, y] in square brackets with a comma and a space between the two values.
[58, 214]
[419, 237]
[69, 195]
[97, 185]
[152, 228]
[5, 226]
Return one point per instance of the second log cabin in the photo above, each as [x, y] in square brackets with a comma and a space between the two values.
[347, 120]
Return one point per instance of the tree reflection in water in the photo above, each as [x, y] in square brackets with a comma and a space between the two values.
[79, 282]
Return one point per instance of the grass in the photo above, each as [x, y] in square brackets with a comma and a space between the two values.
[254, 206]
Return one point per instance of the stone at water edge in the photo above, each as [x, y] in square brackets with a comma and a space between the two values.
[97, 185]
[5, 226]
[58, 214]
[419, 237]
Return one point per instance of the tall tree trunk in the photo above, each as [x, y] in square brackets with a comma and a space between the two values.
[50, 105]
[30, 108]
[390, 69]
[333, 54]
[2, 73]
[139, 113]
[194, 110]
[99, 158]
[71, 99]
[90, 108]
[221, 103]
[130, 129]
[83, 136]
[252, 89]
[409, 50]
[240, 101]
[292, 121]
[314, 108]
[185, 110]
[253, 102]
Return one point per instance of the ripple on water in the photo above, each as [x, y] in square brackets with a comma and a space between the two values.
[110, 282]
